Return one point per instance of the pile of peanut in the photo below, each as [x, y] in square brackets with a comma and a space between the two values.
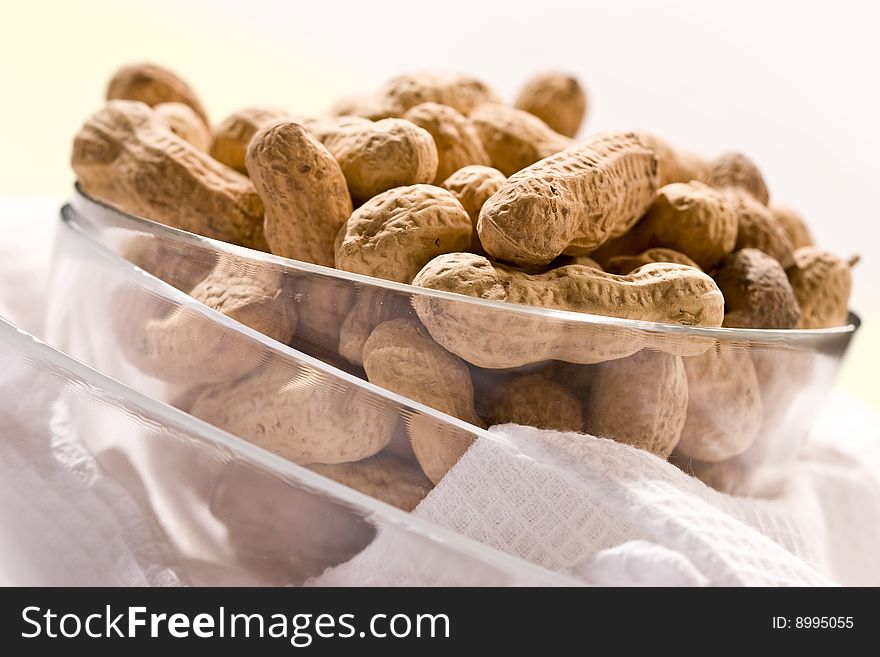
[433, 181]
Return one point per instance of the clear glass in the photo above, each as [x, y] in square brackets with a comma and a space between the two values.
[102, 485]
[750, 396]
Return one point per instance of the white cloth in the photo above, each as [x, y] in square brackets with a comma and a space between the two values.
[600, 511]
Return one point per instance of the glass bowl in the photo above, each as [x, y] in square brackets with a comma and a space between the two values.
[731, 406]
[102, 485]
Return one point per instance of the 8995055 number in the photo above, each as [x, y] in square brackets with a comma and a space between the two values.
[823, 622]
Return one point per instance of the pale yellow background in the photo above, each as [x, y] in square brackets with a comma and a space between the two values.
[793, 84]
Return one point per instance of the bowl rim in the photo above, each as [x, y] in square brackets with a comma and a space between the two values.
[86, 206]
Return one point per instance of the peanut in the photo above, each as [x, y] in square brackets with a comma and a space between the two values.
[535, 400]
[183, 346]
[735, 170]
[724, 404]
[627, 264]
[231, 138]
[472, 186]
[458, 143]
[185, 123]
[690, 218]
[169, 260]
[822, 283]
[152, 84]
[461, 92]
[320, 301]
[401, 356]
[640, 400]
[515, 139]
[488, 338]
[376, 157]
[793, 225]
[303, 189]
[557, 99]
[583, 260]
[674, 165]
[383, 477]
[394, 234]
[757, 228]
[571, 202]
[756, 291]
[297, 413]
[126, 155]
[371, 308]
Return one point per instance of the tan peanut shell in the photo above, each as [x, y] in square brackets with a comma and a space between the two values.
[490, 338]
[185, 346]
[822, 283]
[299, 415]
[371, 308]
[690, 218]
[640, 400]
[183, 121]
[536, 401]
[757, 228]
[472, 186]
[170, 260]
[756, 291]
[152, 84]
[570, 202]
[515, 139]
[674, 165]
[557, 99]
[583, 260]
[387, 478]
[394, 234]
[125, 155]
[320, 301]
[376, 157]
[724, 404]
[626, 264]
[793, 225]
[303, 190]
[231, 138]
[367, 106]
[401, 356]
[457, 141]
[735, 170]
[459, 91]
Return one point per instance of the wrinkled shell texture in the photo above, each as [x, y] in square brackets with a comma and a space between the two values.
[376, 157]
[457, 141]
[401, 356]
[724, 404]
[461, 92]
[489, 338]
[152, 85]
[303, 189]
[371, 308]
[756, 291]
[640, 400]
[393, 235]
[185, 123]
[692, 219]
[231, 138]
[534, 400]
[674, 165]
[299, 415]
[624, 265]
[757, 228]
[384, 477]
[126, 156]
[515, 139]
[472, 186]
[251, 295]
[577, 198]
[737, 171]
[557, 99]
[793, 225]
[822, 283]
